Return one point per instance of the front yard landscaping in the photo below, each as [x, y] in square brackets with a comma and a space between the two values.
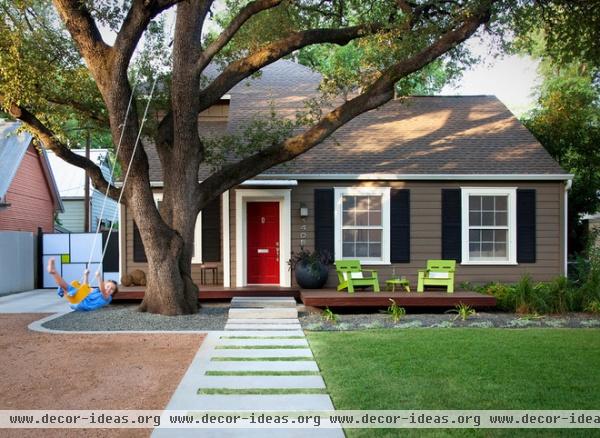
[461, 369]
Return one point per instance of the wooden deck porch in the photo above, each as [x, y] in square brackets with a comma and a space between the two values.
[333, 298]
[210, 292]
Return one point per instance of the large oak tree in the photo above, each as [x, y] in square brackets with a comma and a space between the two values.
[53, 69]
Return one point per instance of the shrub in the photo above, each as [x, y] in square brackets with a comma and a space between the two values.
[589, 287]
[395, 311]
[463, 311]
[329, 316]
[504, 294]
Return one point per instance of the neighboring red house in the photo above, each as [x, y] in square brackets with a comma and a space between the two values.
[29, 198]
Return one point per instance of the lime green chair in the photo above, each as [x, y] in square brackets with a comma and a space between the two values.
[438, 273]
[351, 275]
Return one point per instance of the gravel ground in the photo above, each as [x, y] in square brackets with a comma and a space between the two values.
[376, 320]
[125, 317]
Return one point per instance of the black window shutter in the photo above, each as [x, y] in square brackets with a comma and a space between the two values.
[324, 224]
[451, 225]
[526, 234]
[211, 232]
[139, 253]
[400, 226]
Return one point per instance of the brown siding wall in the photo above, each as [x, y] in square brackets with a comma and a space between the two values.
[131, 265]
[425, 230]
[425, 215]
[30, 198]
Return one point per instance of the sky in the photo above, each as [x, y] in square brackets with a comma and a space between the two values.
[513, 79]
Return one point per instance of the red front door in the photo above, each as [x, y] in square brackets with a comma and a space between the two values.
[263, 242]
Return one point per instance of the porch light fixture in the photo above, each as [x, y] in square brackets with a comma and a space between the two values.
[303, 210]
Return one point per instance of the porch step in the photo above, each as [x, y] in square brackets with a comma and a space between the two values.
[261, 303]
[263, 313]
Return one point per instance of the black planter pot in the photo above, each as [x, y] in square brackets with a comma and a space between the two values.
[308, 278]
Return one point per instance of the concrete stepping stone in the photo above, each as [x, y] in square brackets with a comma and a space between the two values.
[264, 334]
[263, 327]
[262, 321]
[264, 342]
[261, 382]
[255, 365]
[262, 303]
[275, 352]
[287, 402]
[267, 313]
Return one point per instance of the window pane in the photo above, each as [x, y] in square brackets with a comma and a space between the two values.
[362, 203]
[500, 249]
[487, 218]
[487, 203]
[474, 218]
[500, 235]
[474, 235]
[374, 235]
[374, 249]
[348, 250]
[501, 203]
[474, 203]
[487, 235]
[374, 202]
[362, 235]
[474, 250]
[487, 249]
[348, 218]
[375, 218]
[348, 236]
[501, 218]
[362, 250]
[348, 202]
[362, 218]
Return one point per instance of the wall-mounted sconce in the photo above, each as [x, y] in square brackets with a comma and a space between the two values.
[303, 210]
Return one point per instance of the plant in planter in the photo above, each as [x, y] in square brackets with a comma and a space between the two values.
[311, 268]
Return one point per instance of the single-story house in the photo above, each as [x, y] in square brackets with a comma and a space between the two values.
[424, 177]
[71, 184]
[29, 197]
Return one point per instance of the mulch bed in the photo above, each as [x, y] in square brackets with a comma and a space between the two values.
[125, 317]
[313, 320]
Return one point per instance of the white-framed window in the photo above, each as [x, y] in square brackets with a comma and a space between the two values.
[362, 224]
[489, 225]
[197, 256]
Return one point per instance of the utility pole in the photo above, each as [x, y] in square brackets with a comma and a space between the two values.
[86, 195]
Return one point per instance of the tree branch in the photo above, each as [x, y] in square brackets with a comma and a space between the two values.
[48, 138]
[82, 27]
[246, 13]
[138, 17]
[380, 92]
[245, 67]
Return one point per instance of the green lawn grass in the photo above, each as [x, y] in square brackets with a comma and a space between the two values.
[461, 369]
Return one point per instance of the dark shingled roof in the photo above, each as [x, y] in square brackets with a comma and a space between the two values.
[415, 135]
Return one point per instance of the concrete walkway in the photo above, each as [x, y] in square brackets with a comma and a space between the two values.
[34, 301]
[262, 350]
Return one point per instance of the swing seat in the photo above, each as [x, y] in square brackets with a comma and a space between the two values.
[83, 290]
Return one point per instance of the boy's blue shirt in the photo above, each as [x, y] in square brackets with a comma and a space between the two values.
[95, 299]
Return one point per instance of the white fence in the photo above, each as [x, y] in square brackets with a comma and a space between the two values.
[17, 261]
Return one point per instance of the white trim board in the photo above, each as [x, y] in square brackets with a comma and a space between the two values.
[398, 177]
[284, 197]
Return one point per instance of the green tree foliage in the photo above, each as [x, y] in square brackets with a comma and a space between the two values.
[567, 122]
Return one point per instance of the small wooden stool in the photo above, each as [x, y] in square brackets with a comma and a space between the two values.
[398, 282]
[213, 268]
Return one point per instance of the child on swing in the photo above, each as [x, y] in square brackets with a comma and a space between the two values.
[97, 298]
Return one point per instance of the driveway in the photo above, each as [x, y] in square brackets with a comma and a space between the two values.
[34, 301]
